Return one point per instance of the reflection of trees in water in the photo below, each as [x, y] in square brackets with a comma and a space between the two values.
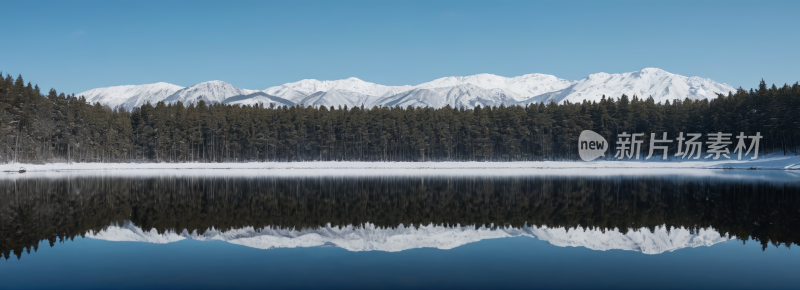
[57, 209]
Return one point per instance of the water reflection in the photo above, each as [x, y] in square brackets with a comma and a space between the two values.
[648, 214]
[368, 237]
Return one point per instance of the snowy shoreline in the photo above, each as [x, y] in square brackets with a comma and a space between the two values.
[775, 168]
[768, 163]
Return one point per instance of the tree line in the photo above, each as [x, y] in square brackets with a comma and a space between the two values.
[55, 127]
[33, 210]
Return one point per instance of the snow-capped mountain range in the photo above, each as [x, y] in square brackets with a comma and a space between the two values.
[371, 238]
[131, 96]
[469, 91]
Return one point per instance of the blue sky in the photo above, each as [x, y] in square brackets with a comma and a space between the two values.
[79, 45]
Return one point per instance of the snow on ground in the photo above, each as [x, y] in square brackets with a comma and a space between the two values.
[777, 166]
[772, 162]
[371, 238]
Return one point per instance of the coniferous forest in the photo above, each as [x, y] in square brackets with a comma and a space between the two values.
[38, 127]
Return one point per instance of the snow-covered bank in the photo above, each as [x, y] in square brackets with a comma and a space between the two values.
[786, 165]
[371, 238]
[775, 162]
[776, 169]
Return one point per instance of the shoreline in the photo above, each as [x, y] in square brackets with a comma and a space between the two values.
[772, 169]
[766, 163]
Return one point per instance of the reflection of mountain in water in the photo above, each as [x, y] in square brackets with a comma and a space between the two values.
[372, 238]
[32, 210]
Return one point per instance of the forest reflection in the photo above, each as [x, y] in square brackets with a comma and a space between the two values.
[32, 210]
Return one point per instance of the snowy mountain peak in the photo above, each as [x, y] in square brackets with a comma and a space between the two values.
[162, 84]
[652, 70]
[310, 86]
[660, 84]
[210, 92]
[213, 83]
[487, 81]
[130, 96]
[480, 89]
[351, 91]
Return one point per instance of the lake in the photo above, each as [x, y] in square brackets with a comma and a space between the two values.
[734, 229]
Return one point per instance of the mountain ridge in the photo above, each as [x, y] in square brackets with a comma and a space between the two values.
[456, 91]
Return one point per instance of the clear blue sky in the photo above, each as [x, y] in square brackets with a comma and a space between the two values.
[79, 45]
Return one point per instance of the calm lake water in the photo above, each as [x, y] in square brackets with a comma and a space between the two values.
[737, 230]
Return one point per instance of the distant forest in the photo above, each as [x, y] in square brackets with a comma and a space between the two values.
[54, 127]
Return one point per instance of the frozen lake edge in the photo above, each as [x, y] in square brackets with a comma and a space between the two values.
[772, 167]
[778, 162]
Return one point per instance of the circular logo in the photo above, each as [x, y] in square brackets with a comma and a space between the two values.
[591, 145]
